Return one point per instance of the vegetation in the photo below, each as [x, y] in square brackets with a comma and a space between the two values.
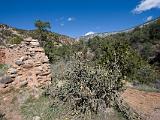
[88, 74]
[3, 69]
[145, 40]
[56, 51]
[38, 107]
[85, 89]
[42, 29]
[15, 40]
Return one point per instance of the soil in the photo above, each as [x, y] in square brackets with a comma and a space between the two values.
[147, 104]
[9, 106]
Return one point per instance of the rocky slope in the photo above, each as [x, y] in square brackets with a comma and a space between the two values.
[7, 33]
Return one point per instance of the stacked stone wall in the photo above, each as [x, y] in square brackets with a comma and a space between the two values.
[28, 65]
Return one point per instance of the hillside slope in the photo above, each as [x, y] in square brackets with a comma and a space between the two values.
[105, 34]
[145, 39]
[7, 33]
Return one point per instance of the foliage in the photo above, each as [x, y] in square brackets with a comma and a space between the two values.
[146, 75]
[42, 29]
[15, 40]
[3, 68]
[57, 51]
[42, 26]
[145, 39]
[86, 89]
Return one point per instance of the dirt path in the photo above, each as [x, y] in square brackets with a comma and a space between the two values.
[146, 104]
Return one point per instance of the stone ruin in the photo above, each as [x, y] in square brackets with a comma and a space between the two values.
[28, 65]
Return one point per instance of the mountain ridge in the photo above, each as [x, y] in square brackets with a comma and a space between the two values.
[105, 34]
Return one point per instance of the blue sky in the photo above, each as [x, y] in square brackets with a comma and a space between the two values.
[77, 17]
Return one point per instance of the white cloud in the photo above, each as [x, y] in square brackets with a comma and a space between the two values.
[149, 18]
[89, 33]
[70, 19]
[146, 5]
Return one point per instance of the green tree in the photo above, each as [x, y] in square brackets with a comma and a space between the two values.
[42, 26]
[42, 30]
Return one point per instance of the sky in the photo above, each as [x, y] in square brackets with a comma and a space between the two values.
[79, 17]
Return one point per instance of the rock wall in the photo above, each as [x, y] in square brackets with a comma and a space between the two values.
[29, 66]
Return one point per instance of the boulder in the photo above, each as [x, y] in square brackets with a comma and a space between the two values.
[19, 62]
[45, 73]
[35, 44]
[37, 64]
[13, 75]
[38, 50]
[34, 40]
[3, 85]
[32, 54]
[40, 68]
[45, 60]
[6, 80]
[23, 58]
[23, 83]
[29, 39]
[12, 71]
[28, 64]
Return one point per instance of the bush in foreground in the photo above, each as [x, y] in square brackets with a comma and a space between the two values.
[87, 91]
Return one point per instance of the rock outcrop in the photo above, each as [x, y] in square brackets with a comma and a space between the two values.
[29, 66]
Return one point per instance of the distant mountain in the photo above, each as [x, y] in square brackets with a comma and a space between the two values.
[105, 34]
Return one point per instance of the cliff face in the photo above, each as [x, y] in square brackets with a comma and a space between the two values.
[28, 65]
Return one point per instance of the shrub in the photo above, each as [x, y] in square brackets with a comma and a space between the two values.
[15, 40]
[145, 75]
[3, 68]
[86, 90]
[56, 51]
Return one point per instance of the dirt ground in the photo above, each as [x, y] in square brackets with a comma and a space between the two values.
[10, 106]
[145, 103]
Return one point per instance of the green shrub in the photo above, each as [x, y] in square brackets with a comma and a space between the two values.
[56, 51]
[15, 40]
[86, 90]
[3, 68]
[145, 75]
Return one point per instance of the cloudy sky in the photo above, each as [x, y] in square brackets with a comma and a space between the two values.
[79, 17]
